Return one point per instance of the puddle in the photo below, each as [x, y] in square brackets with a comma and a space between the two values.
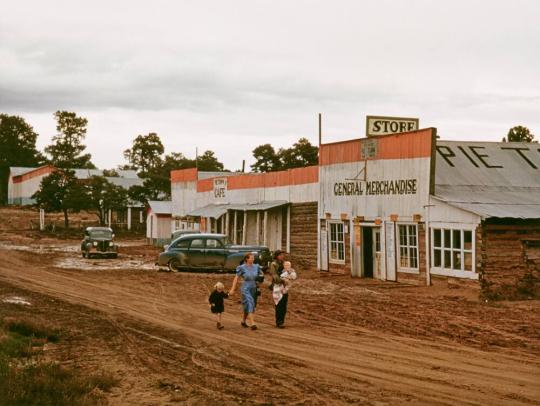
[104, 264]
[50, 248]
[16, 300]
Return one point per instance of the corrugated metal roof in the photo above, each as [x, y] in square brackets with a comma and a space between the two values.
[212, 210]
[19, 170]
[259, 206]
[490, 179]
[160, 207]
[126, 183]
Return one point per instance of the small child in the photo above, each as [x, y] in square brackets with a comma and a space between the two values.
[216, 301]
[287, 276]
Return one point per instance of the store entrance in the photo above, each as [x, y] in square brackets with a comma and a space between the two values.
[371, 252]
[367, 252]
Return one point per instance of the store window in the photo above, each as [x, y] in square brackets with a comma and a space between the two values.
[408, 246]
[452, 249]
[336, 238]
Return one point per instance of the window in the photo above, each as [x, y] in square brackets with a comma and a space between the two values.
[212, 243]
[408, 246]
[181, 244]
[197, 243]
[337, 242]
[452, 249]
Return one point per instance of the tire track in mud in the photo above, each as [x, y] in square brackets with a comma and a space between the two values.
[397, 370]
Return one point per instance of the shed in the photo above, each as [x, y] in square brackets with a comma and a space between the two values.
[159, 222]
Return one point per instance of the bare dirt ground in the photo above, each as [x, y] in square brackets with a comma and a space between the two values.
[346, 342]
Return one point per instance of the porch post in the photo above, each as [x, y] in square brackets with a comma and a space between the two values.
[129, 218]
[244, 229]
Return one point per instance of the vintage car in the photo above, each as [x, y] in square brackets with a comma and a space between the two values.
[99, 241]
[209, 252]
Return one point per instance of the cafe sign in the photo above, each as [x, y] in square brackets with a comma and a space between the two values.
[381, 125]
[220, 187]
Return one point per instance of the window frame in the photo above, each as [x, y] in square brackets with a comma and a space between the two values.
[408, 269]
[331, 260]
[197, 248]
[455, 272]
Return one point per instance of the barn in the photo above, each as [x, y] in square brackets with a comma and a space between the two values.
[23, 182]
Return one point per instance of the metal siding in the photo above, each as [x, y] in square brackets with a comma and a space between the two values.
[501, 183]
[372, 206]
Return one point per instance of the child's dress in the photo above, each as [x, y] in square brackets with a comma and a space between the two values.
[217, 301]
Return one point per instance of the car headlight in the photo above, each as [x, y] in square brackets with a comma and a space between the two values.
[95, 243]
[110, 244]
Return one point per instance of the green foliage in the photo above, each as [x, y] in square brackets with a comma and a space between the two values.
[208, 162]
[300, 155]
[61, 191]
[266, 159]
[519, 134]
[17, 148]
[145, 153]
[102, 196]
[67, 145]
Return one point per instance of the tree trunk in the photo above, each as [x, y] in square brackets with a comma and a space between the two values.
[66, 219]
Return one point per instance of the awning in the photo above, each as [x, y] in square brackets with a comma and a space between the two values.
[212, 210]
[218, 210]
[259, 206]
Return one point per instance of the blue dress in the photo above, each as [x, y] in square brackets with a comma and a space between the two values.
[249, 287]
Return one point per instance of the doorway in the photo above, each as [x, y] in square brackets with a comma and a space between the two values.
[367, 252]
[371, 252]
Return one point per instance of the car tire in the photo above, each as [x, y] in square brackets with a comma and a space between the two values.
[114, 256]
[174, 265]
[84, 254]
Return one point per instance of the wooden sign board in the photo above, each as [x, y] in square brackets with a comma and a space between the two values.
[381, 125]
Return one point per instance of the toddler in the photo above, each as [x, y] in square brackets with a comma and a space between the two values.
[216, 300]
[287, 276]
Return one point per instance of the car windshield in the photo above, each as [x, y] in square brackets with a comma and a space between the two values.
[100, 234]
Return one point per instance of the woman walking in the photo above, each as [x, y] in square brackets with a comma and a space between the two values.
[251, 273]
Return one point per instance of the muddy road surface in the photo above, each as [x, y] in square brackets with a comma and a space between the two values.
[346, 341]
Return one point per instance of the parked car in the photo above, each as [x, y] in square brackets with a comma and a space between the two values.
[99, 241]
[179, 233]
[209, 252]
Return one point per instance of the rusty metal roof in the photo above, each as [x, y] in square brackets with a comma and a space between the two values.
[490, 179]
[160, 207]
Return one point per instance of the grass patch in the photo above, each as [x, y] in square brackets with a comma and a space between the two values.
[27, 381]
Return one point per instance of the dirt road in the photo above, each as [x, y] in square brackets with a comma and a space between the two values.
[346, 342]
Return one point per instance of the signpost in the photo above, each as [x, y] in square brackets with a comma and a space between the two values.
[381, 125]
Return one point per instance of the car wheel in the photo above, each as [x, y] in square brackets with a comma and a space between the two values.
[174, 265]
[84, 254]
[114, 256]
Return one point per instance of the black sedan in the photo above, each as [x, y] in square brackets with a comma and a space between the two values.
[209, 252]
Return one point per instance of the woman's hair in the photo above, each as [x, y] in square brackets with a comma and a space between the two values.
[249, 254]
[218, 285]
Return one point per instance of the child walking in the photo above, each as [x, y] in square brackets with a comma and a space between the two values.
[216, 300]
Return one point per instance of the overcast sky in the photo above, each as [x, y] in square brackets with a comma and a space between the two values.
[231, 75]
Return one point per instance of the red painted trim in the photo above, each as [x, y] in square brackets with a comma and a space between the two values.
[414, 144]
[184, 175]
[42, 170]
[205, 185]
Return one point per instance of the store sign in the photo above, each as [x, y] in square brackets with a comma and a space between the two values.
[380, 125]
[220, 188]
[376, 187]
